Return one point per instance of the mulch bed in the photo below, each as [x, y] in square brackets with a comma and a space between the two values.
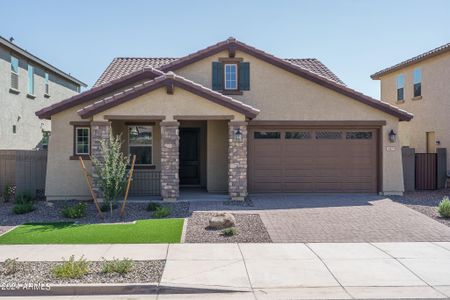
[250, 229]
[48, 212]
[425, 202]
[40, 273]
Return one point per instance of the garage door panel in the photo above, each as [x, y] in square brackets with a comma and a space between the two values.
[338, 161]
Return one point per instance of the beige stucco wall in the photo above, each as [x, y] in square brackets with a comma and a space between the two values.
[432, 112]
[64, 176]
[281, 95]
[19, 110]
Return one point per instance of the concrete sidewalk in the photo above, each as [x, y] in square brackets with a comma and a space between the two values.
[279, 271]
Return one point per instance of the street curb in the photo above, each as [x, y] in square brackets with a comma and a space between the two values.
[183, 231]
[111, 289]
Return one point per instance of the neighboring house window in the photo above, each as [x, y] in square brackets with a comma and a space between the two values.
[231, 76]
[231, 80]
[140, 143]
[400, 87]
[14, 72]
[46, 84]
[82, 140]
[417, 82]
[30, 80]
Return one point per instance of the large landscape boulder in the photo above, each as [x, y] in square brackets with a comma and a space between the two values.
[221, 221]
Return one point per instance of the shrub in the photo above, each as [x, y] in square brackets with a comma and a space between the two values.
[111, 170]
[24, 204]
[71, 268]
[24, 198]
[229, 231]
[152, 206]
[74, 212]
[11, 266]
[444, 207]
[105, 207]
[121, 267]
[161, 212]
[8, 192]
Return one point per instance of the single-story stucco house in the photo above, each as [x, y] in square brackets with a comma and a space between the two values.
[229, 118]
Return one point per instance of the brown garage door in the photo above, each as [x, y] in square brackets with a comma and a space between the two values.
[313, 160]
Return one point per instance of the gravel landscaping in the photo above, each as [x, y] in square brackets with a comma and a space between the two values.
[425, 202]
[51, 212]
[250, 229]
[40, 272]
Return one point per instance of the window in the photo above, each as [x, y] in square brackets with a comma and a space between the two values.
[82, 140]
[14, 64]
[140, 143]
[417, 83]
[30, 80]
[400, 87]
[46, 83]
[14, 73]
[359, 135]
[298, 135]
[328, 135]
[14, 129]
[231, 80]
[267, 135]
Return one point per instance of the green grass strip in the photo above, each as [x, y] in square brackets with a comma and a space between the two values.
[143, 231]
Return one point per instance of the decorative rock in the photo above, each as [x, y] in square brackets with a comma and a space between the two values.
[222, 220]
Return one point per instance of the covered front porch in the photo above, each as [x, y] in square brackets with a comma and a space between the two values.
[185, 159]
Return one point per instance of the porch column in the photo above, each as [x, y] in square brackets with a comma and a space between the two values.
[170, 160]
[99, 131]
[237, 160]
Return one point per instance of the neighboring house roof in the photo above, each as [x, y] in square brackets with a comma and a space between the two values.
[169, 79]
[231, 45]
[411, 61]
[39, 61]
[122, 66]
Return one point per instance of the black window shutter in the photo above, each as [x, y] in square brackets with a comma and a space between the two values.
[217, 76]
[244, 76]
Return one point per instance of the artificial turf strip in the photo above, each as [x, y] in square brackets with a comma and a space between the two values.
[144, 231]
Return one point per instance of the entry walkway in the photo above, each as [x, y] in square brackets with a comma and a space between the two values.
[279, 271]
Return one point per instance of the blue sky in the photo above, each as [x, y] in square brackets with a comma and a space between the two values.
[353, 38]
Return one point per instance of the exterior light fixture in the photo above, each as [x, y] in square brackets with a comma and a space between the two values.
[392, 136]
[237, 134]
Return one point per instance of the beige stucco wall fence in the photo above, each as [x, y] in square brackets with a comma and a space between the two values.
[25, 169]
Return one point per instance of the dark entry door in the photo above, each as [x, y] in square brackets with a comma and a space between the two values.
[189, 156]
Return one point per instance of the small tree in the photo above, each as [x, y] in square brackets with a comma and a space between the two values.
[111, 170]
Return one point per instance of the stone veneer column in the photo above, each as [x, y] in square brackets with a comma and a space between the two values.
[237, 161]
[99, 131]
[170, 181]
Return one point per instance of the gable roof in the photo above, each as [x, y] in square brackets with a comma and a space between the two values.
[121, 66]
[230, 45]
[95, 92]
[39, 61]
[411, 61]
[169, 79]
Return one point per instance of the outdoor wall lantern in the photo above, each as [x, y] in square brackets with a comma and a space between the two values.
[237, 134]
[392, 136]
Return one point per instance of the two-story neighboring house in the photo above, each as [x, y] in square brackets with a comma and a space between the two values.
[421, 85]
[28, 84]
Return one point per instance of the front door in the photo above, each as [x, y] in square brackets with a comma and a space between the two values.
[189, 156]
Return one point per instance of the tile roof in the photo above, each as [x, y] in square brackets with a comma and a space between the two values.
[166, 79]
[411, 61]
[122, 66]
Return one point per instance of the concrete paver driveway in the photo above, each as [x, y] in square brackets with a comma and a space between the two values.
[308, 218]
